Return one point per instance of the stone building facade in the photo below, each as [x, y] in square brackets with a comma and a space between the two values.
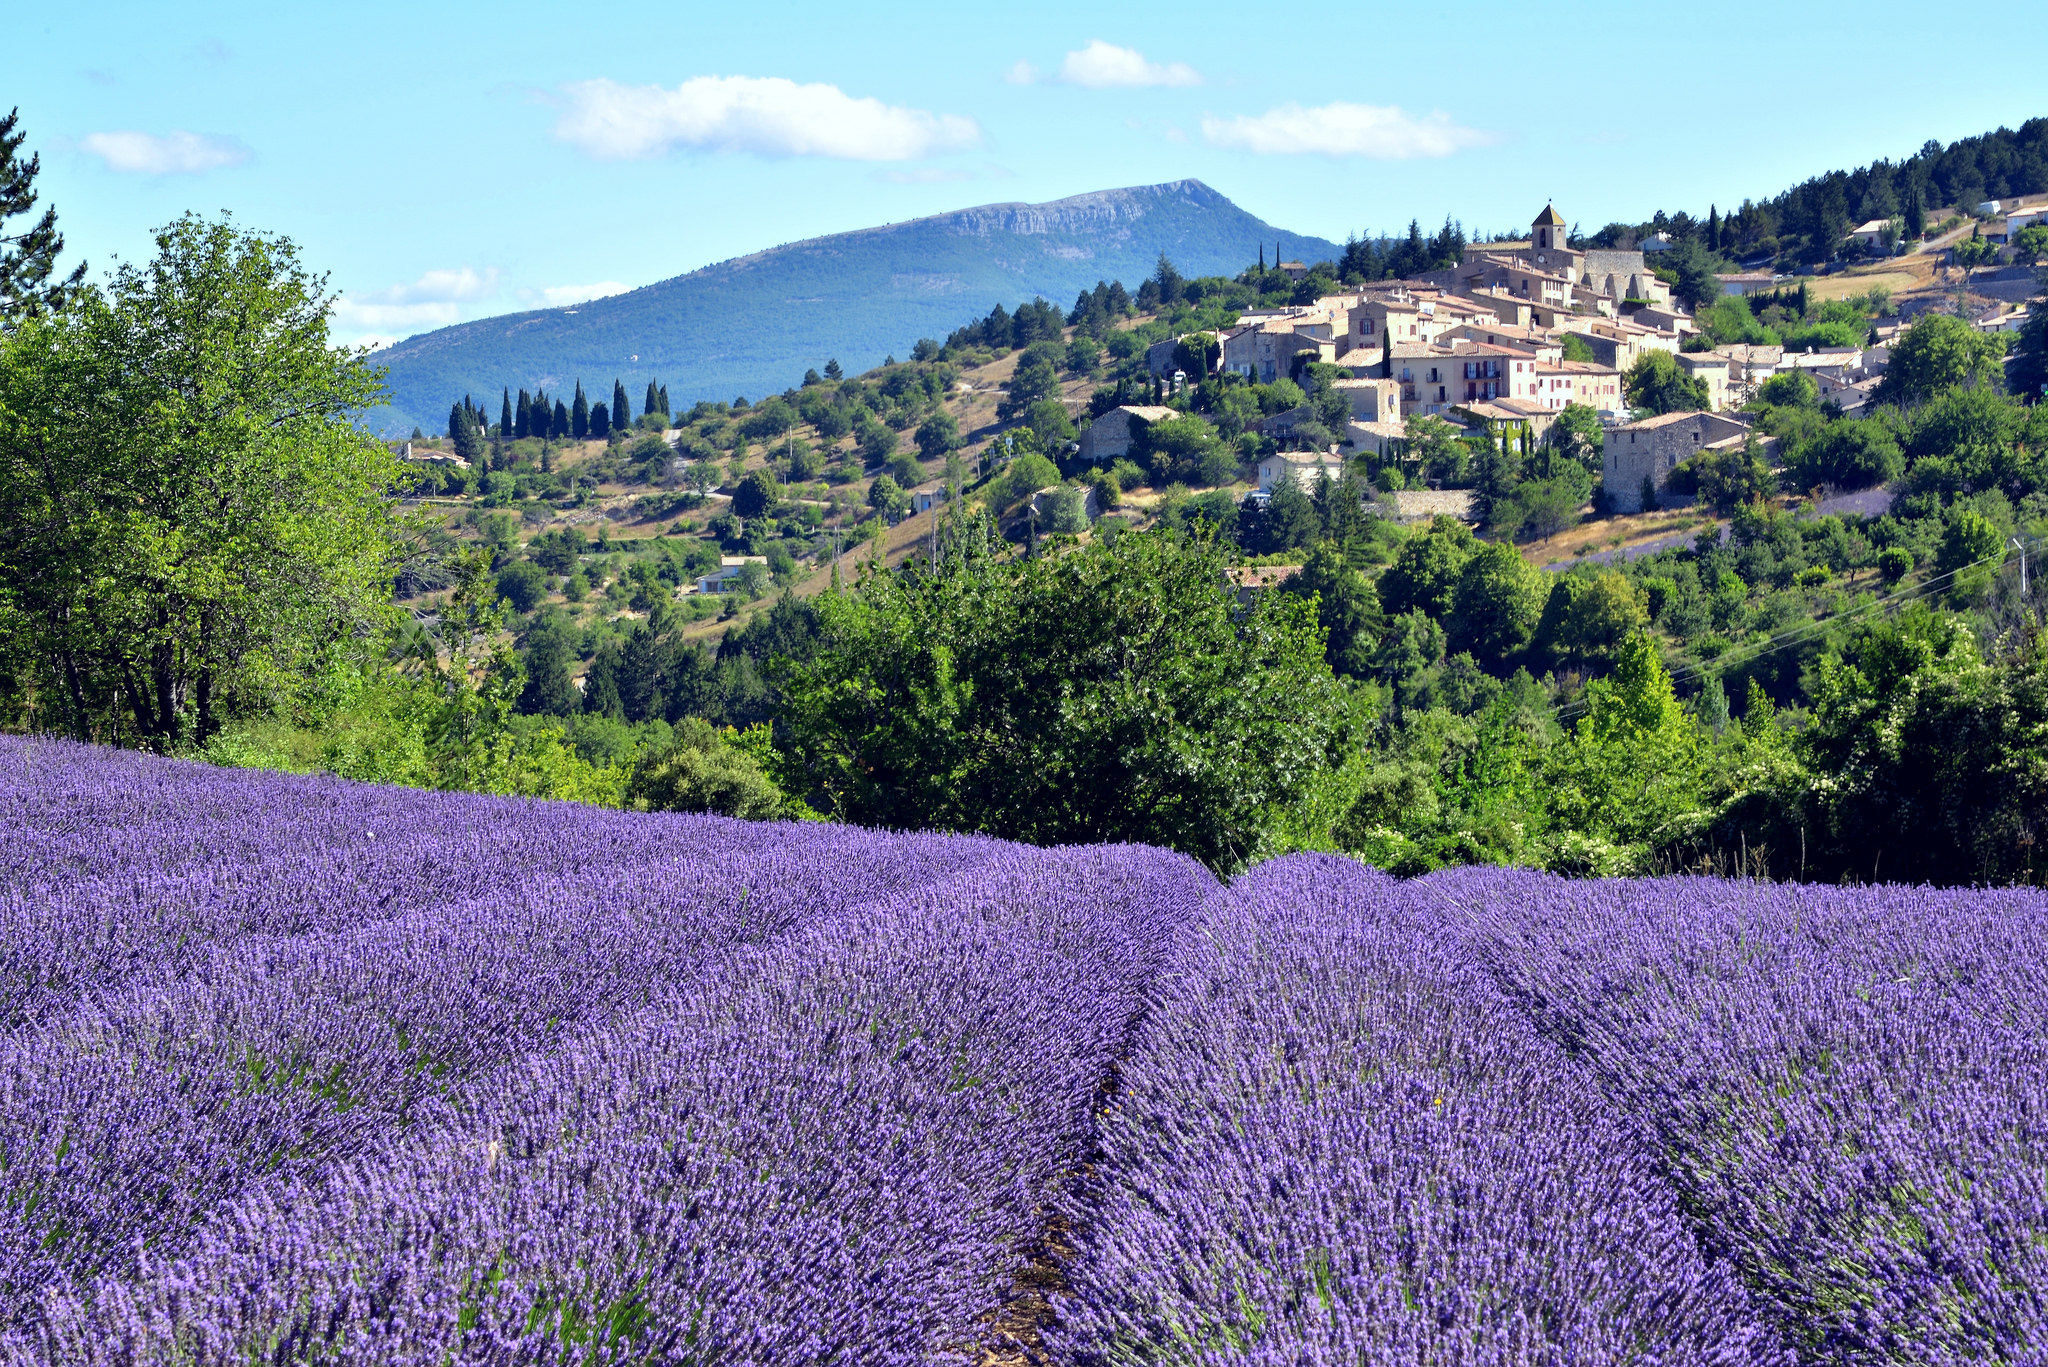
[1653, 448]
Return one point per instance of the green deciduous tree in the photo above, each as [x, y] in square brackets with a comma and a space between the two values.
[1939, 352]
[1656, 384]
[1634, 765]
[1848, 455]
[1112, 693]
[702, 769]
[938, 435]
[188, 515]
[1424, 575]
[1496, 604]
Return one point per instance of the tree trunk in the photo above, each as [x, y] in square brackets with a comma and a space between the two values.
[77, 689]
[138, 702]
[203, 686]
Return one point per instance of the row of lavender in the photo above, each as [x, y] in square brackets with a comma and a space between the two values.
[300, 1071]
[1495, 1117]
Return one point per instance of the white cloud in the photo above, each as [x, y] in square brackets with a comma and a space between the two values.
[433, 300]
[558, 295]
[1022, 73]
[1342, 129]
[1101, 64]
[768, 116]
[177, 153]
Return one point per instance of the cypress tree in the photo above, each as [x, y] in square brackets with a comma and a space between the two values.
[665, 409]
[653, 402]
[600, 422]
[522, 424]
[537, 423]
[505, 417]
[622, 415]
[1713, 228]
[457, 419]
[549, 691]
[1916, 212]
[579, 415]
[560, 426]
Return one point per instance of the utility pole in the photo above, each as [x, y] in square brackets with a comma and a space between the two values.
[2021, 547]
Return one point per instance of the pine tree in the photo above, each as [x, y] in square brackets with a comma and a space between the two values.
[522, 424]
[28, 258]
[600, 422]
[579, 414]
[622, 415]
[653, 402]
[832, 370]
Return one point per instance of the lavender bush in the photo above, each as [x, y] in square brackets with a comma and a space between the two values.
[1337, 1142]
[1847, 1089]
[301, 1071]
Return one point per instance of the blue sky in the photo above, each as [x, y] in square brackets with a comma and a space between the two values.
[447, 161]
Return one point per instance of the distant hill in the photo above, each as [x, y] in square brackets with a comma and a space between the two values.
[753, 324]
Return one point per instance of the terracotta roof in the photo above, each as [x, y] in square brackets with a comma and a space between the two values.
[1661, 420]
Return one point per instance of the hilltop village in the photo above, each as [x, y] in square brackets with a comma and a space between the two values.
[1204, 397]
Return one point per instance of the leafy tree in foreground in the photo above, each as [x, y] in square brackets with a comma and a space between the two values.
[188, 515]
[1109, 693]
[28, 258]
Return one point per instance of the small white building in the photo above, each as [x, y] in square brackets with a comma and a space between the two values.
[728, 571]
[1305, 468]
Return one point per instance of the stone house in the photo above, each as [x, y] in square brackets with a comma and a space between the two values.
[1373, 399]
[1653, 448]
[1110, 436]
[1376, 438]
[1506, 417]
[1305, 468]
[1267, 352]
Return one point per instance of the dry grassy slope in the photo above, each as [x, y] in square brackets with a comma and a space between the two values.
[972, 404]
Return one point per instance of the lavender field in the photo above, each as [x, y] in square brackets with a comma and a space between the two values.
[297, 1070]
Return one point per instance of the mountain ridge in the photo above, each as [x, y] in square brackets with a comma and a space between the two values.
[853, 296]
